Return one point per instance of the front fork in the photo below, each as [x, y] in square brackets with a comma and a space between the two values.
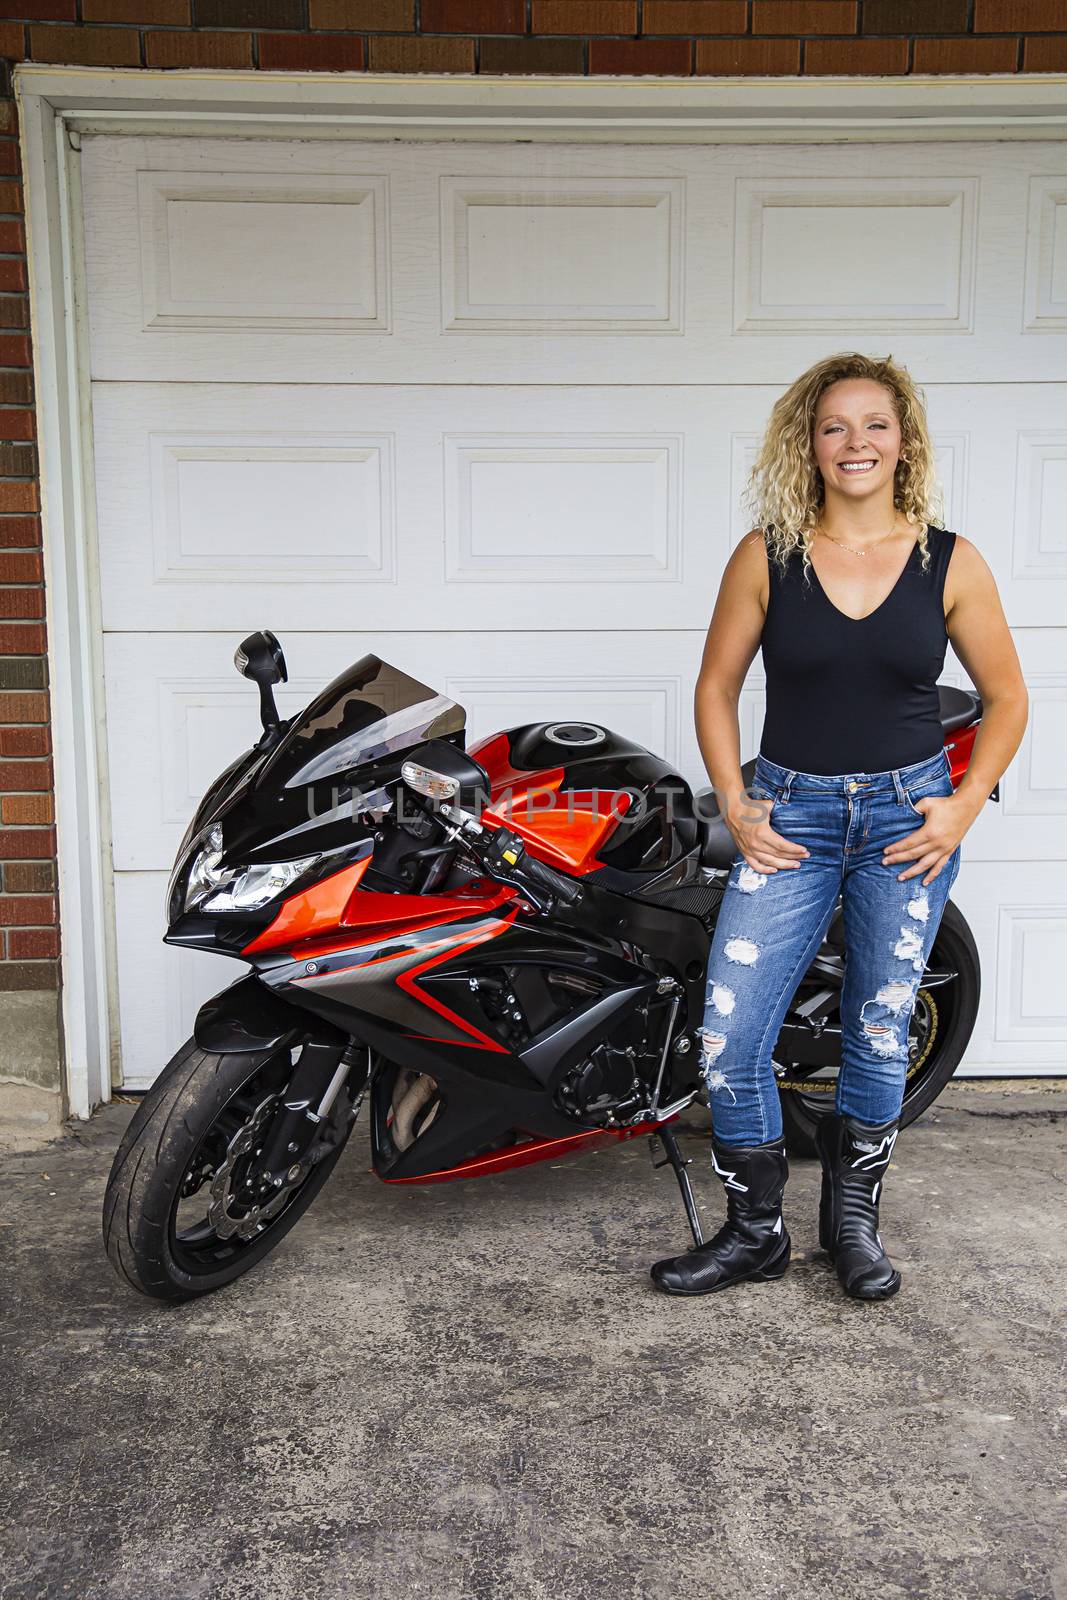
[311, 1095]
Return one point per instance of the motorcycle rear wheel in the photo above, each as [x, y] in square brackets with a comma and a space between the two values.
[180, 1131]
[942, 1023]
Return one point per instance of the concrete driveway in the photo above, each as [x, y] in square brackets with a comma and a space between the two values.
[473, 1390]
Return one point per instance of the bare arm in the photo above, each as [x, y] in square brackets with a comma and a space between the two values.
[733, 639]
[982, 640]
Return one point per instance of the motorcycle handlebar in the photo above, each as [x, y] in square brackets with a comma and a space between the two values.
[506, 857]
[555, 882]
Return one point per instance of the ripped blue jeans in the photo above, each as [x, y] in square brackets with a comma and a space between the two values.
[771, 925]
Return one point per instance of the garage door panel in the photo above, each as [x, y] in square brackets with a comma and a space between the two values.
[213, 500]
[227, 506]
[263, 251]
[322, 261]
[1020, 924]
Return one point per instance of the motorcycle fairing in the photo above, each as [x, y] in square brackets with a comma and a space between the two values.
[247, 1016]
[613, 802]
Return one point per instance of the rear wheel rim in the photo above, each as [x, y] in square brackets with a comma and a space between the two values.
[931, 1023]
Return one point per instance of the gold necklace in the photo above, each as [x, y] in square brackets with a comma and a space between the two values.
[854, 551]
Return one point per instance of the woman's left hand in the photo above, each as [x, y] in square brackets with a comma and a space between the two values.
[946, 819]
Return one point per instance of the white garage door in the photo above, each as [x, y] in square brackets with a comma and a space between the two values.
[487, 411]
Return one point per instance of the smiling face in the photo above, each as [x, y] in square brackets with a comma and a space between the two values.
[856, 439]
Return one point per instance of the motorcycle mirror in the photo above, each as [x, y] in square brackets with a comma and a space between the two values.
[260, 658]
[441, 771]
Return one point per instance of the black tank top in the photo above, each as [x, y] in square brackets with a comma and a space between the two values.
[855, 695]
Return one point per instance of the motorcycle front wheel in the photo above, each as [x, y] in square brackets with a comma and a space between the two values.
[181, 1214]
[946, 1007]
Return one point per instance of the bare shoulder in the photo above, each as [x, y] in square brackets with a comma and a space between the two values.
[747, 570]
[968, 577]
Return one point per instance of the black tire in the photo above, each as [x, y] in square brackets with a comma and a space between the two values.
[170, 1129]
[945, 1015]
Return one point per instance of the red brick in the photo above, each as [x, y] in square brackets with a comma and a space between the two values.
[964, 55]
[143, 13]
[19, 533]
[43, 10]
[734, 58]
[22, 639]
[12, 238]
[14, 311]
[14, 349]
[26, 810]
[22, 708]
[803, 16]
[310, 52]
[90, 47]
[915, 16]
[547, 57]
[633, 57]
[25, 742]
[17, 459]
[29, 877]
[846, 58]
[198, 49]
[24, 603]
[28, 975]
[584, 16]
[27, 910]
[27, 844]
[9, 116]
[691, 17]
[20, 566]
[364, 16]
[13, 41]
[250, 13]
[472, 16]
[32, 944]
[12, 273]
[10, 163]
[18, 496]
[24, 777]
[390, 53]
[1020, 16]
[21, 424]
[16, 388]
[10, 198]
[1045, 55]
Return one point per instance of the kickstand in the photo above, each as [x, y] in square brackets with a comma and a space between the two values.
[673, 1157]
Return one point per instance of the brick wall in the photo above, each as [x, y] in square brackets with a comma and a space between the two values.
[28, 935]
[550, 37]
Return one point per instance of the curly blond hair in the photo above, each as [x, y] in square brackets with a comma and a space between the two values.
[785, 489]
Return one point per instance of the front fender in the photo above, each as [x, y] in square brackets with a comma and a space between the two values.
[248, 1016]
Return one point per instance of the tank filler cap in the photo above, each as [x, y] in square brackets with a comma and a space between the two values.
[575, 733]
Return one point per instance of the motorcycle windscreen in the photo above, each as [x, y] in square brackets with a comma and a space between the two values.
[371, 710]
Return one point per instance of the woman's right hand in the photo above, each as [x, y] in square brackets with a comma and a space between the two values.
[765, 850]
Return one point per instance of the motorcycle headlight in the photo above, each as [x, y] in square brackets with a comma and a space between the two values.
[212, 887]
[205, 874]
[257, 886]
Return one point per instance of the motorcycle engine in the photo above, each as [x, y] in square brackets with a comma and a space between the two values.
[604, 1088]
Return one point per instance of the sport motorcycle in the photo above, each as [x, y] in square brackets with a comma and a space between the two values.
[500, 949]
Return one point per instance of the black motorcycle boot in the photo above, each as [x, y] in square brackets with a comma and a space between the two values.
[752, 1243]
[854, 1157]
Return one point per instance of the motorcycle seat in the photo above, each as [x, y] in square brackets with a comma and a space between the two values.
[958, 707]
